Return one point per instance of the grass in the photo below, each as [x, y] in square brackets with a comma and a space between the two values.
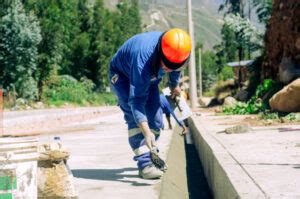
[65, 89]
[93, 99]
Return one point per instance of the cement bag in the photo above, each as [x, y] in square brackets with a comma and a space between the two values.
[287, 99]
[55, 179]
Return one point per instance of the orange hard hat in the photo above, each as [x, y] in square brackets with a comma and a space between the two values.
[176, 47]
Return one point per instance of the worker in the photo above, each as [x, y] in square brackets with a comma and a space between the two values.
[135, 72]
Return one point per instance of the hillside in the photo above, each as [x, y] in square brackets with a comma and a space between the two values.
[164, 14]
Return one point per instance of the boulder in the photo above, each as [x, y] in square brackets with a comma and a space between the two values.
[242, 95]
[229, 101]
[39, 105]
[21, 102]
[204, 101]
[287, 99]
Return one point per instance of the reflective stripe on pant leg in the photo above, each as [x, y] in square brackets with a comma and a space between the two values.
[137, 143]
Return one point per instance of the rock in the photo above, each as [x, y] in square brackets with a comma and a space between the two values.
[214, 102]
[27, 107]
[238, 129]
[16, 108]
[39, 105]
[287, 99]
[288, 70]
[222, 96]
[242, 95]
[229, 101]
[297, 115]
[268, 122]
[21, 102]
[204, 101]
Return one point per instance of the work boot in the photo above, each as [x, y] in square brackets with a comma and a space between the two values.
[150, 172]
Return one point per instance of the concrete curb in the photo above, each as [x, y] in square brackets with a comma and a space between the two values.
[174, 182]
[41, 121]
[225, 176]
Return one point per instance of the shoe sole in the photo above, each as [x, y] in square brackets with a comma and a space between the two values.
[149, 178]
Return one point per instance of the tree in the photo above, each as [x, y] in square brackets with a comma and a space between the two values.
[246, 33]
[95, 34]
[4, 7]
[129, 19]
[230, 49]
[233, 7]
[263, 9]
[240, 39]
[58, 20]
[79, 48]
[107, 32]
[20, 36]
[84, 15]
[209, 71]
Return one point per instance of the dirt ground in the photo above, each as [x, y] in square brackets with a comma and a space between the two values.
[252, 120]
[256, 121]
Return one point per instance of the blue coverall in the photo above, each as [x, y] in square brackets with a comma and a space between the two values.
[134, 75]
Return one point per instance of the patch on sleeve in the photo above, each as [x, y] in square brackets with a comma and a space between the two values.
[114, 78]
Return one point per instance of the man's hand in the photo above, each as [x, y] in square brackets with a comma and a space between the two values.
[175, 91]
[184, 130]
[150, 141]
[149, 136]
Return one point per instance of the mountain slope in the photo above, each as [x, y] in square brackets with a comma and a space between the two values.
[165, 14]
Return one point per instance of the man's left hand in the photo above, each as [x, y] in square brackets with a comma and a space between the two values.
[175, 91]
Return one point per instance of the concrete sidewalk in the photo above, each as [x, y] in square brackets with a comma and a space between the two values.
[261, 163]
[100, 157]
[102, 161]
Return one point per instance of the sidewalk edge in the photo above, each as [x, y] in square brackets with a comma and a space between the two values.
[225, 176]
[174, 182]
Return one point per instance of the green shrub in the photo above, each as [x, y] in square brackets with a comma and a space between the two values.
[20, 35]
[259, 102]
[226, 73]
[278, 116]
[66, 89]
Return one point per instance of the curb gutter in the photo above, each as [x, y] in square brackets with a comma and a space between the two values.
[225, 176]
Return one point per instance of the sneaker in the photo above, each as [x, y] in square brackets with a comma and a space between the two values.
[150, 172]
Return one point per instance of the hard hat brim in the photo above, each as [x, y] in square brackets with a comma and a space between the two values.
[171, 65]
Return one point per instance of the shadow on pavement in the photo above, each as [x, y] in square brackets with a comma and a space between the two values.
[109, 175]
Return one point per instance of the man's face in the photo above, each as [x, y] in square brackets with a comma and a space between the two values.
[164, 67]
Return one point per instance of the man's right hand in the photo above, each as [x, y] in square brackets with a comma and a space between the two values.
[150, 141]
[149, 136]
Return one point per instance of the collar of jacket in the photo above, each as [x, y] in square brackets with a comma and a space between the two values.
[156, 58]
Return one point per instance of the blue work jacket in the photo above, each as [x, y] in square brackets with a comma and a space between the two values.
[138, 59]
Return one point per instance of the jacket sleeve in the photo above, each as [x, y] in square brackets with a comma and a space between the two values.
[139, 90]
[174, 78]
